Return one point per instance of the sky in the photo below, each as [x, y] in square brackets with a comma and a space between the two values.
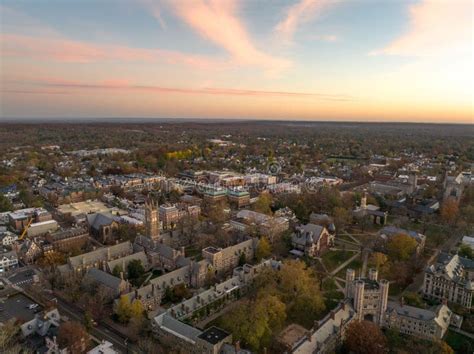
[361, 60]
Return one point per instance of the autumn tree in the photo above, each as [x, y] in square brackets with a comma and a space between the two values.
[378, 260]
[9, 335]
[365, 337]
[264, 249]
[401, 247]
[255, 322]
[123, 310]
[73, 336]
[342, 218]
[449, 211]
[263, 204]
[297, 286]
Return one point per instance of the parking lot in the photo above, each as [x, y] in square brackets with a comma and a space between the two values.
[16, 306]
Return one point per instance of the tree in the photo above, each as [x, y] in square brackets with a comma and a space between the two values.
[401, 247]
[342, 218]
[135, 269]
[5, 204]
[263, 204]
[378, 259]
[123, 310]
[8, 336]
[466, 251]
[73, 336]
[449, 211]
[136, 309]
[255, 322]
[413, 299]
[365, 337]
[264, 249]
[117, 270]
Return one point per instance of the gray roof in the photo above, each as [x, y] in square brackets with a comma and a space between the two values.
[104, 278]
[176, 327]
[97, 220]
[307, 234]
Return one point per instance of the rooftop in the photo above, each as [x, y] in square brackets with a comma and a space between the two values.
[213, 335]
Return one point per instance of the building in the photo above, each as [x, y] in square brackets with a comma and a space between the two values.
[239, 198]
[311, 240]
[79, 209]
[20, 218]
[450, 278]
[116, 286]
[98, 258]
[105, 347]
[390, 231]
[430, 324]
[265, 225]
[8, 238]
[223, 260]
[152, 220]
[102, 225]
[169, 328]
[8, 260]
[369, 210]
[369, 296]
[169, 216]
[68, 240]
[42, 227]
[367, 300]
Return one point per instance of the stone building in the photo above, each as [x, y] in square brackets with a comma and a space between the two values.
[226, 259]
[369, 296]
[152, 220]
[450, 278]
[311, 240]
[72, 239]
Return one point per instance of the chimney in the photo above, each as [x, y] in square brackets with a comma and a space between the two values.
[121, 275]
[308, 335]
[315, 325]
[333, 315]
[402, 301]
[182, 251]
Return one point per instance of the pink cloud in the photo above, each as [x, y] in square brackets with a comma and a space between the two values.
[436, 27]
[125, 85]
[218, 22]
[66, 50]
[299, 13]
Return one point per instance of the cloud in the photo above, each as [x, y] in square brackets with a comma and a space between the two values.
[218, 22]
[301, 12]
[155, 11]
[436, 27]
[125, 85]
[72, 51]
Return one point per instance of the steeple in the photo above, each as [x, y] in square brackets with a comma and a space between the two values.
[152, 221]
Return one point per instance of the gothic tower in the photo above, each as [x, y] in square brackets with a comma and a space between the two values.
[152, 220]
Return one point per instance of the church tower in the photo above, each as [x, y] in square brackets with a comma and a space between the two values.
[152, 220]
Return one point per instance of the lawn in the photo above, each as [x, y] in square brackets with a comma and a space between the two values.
[329, 284]
[333, 259]
[356, 264]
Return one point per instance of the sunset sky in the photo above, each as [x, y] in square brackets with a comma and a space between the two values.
[369, 60]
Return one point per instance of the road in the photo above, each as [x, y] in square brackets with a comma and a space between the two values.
[101, 332]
